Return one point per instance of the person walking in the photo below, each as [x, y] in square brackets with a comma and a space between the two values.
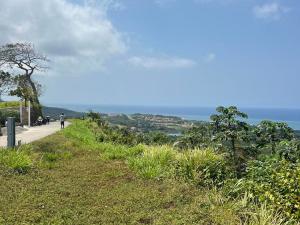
[62, 120]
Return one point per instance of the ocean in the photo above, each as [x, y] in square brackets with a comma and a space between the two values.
[290, 116]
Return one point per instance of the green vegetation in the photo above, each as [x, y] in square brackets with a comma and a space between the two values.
[8, 113]
[227, 153]
[11, 104]
[18, 161]
[75, 177]
[146, 123]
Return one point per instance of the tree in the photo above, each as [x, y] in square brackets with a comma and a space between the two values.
[228, 128]
[271, 133]
[22, 89]
[5, 82]
[198, 136]
[24, 58]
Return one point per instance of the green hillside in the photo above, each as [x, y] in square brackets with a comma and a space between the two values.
[73, 177]
[54, 112]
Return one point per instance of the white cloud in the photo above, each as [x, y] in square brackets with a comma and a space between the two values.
[77, 38]
[161, 62]
[210, 58]
[270, 11]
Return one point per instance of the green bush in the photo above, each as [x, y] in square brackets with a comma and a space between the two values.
[276, 181]
[289, 150]
[16, 160]
[154, 162]
[202, 166]
[8, 113]
[9, 104]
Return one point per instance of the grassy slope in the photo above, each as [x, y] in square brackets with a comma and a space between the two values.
[84, 188]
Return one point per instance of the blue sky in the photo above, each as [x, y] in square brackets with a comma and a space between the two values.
[164, 52]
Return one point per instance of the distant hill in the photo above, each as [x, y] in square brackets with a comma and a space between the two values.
[54, 112]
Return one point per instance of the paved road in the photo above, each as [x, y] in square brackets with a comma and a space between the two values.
[34, 133]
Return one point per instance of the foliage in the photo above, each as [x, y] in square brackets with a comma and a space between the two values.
[155, 138]
[198, 136]
[114, 151]
[23, 57]
[228, 128]
[17, 160]
[271, 133]
[9, 104]
[202, 166]
[8, 113]
[126, 136]
[107, 192]
[264, 215]
[289, 150]
[155, 162]
[5, 82]
[276, 181]
[96, 117]
[22, 88]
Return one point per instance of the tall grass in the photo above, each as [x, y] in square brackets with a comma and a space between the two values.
[17, 160]
[115, 151]
[203, 166]
[263, 215]
[154, 162]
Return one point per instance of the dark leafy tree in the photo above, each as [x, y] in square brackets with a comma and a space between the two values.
[96, 117]
[26, 60]
[196, 137]
[5, 82]
[289, 150]
[22, 89]
[271, 133]
[229, 127]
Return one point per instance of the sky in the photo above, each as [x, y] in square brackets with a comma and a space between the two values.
[162, 52]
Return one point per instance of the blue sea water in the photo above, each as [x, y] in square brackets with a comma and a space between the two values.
[290, 116]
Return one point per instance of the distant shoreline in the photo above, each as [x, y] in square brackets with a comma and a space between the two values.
[290, 116]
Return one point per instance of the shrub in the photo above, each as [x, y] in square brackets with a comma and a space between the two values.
[114, 151]
[16, 160]
[289, 150]
[204, 167]
[276, 181]
[155, 162]
[4, 113]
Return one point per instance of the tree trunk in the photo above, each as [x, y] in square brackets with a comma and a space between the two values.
[36, 106]
[236, 160]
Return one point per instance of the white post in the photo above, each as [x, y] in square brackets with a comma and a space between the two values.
[29, 114]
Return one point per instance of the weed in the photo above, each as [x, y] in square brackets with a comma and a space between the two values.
[17, 160]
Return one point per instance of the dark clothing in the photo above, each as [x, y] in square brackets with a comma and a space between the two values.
[62, 124]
